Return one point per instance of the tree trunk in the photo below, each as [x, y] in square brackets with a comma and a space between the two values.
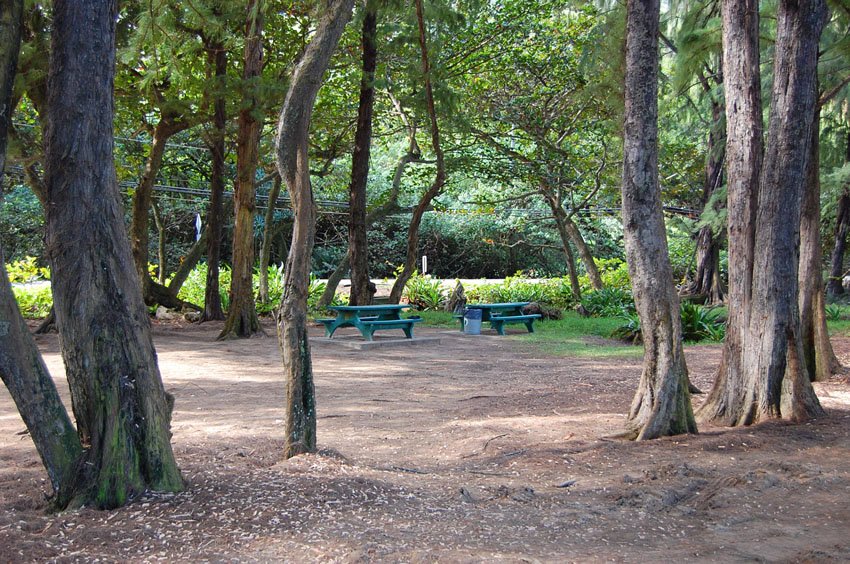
[835, 286]
[744, 154]
[706, 281]
[439, 178]
[266, 245]
[773, 381]
[362, 289]
[215, 215]
[292, 161]
[189, 262]
[820, 359]
[161, 258]
[21, 367]
[122, 410]
[390, 206]
[560, 222]
[662, 404]
[583, 252]
[242, 320]
[167, 127]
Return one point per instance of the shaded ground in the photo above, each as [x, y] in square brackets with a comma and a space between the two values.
[478, 449]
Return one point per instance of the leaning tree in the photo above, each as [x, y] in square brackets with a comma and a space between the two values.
[122, 410]
[292, 161]
[662, 403]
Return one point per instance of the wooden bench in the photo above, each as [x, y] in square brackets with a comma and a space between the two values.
[498, 322]
[373, 325]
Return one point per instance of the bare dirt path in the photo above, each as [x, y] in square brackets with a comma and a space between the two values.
[479, 449]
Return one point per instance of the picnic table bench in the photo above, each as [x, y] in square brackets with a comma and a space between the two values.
[370, 318]
[501, 314]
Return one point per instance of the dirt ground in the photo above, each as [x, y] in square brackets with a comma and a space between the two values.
[478, 449]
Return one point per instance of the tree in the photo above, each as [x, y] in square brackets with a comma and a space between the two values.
[122, 410]
[362, 288]
[21, 367]
[440, 175]
[661, 405]
[242, 320]
[292, 161]
[763, 372]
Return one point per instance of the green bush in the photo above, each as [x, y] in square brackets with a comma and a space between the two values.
[833, 312]
[614, 273]
[26, 270]
[193, 290]
[424, 292]
[553, 291]
[608, 302]
[699, 323]
[34, 301]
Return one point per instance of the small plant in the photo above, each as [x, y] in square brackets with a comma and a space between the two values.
[629, 331]
[833, 312]
[700, 323]
[609, 302]
[424, 292]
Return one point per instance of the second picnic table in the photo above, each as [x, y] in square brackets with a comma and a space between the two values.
[500, 314]
[369, 318]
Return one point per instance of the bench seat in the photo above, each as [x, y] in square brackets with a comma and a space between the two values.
[405, 324]
[498, 322]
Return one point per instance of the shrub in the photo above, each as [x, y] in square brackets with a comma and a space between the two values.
[833, 312]
[26, 270]
[424, 292]
[698, 323]
[34, 301]
[608, 302]
[193, 290]
[553, 291]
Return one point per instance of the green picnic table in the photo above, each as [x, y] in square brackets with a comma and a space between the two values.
[370, 318]
[500, 314]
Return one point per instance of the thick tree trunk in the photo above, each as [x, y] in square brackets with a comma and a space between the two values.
[292, 161]
[21, 367]
[773, 380]
[122, 410]
[662, 404]
[820, 359]
[266, 245]
[362, 289]
[215, 214]
[439, 178]
[242, 320]
[744, 154]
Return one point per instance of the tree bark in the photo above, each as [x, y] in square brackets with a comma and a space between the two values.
[215, 215]
[21, 367]
[292, 161]
[266, 245]
[242, 320]
[662, 404]
[439, 178]
[772, 380]
[744, 155]
[161, 257]
[362, 289]
[820, 359]
[122, 410]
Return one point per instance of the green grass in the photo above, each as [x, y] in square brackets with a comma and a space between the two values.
[572, 336]
[579, 336]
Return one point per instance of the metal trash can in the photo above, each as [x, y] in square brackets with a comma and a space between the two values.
[472, 322]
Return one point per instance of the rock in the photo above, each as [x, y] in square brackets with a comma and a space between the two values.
[165, 314]
[192, 316]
